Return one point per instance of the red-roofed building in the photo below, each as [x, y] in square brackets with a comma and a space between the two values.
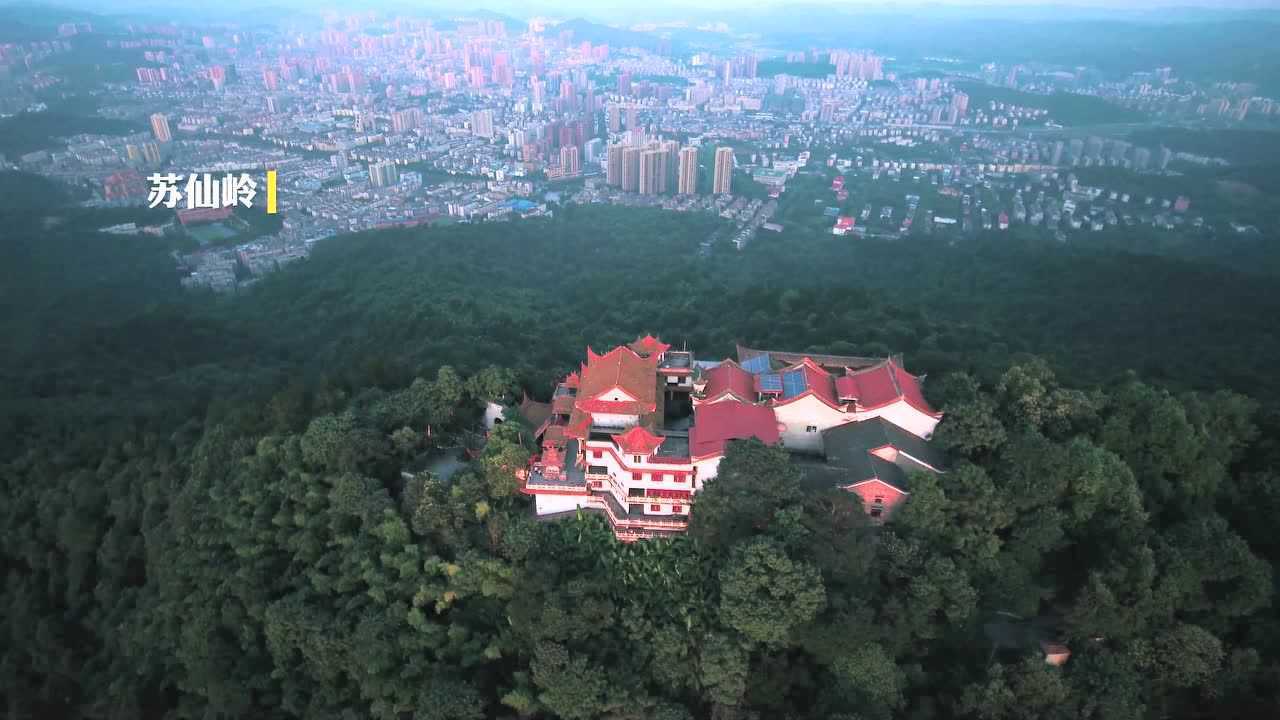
[811, 395]
[637, 440]
[603, 447]
[125, 186]
[728, 381]
[613, 439]
[814, 400]
[618, 386]
[715, 424]
[198, 216]
[649, 345]
[890, 392]
[807, 405]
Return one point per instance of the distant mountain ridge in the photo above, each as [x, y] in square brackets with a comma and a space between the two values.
[593, 32]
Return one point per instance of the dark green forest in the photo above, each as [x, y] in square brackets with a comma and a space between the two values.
[27, 132]
[1065, 108]
[769, 68]
[1202, 48]
[205, 513]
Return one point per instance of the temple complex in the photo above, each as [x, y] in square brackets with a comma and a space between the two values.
[636, 432]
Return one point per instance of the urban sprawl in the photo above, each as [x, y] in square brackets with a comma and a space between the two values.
[374, 123]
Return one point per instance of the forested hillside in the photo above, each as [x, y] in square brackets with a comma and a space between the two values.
[205, 512]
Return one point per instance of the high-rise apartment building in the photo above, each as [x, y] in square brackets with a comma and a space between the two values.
[160, 127]
[482, 123]
[1075, 150]
[151, 153]
[614, 113]
[408, 119]
[861, 65]
[653, 171]
[613, 165]
[151, 75]
[631, 158]
[363, 122]
[570, 162]
[722, 181]
[688, 182]
[1093, 147]
[383, 174]
[671, 149]
[536, 91]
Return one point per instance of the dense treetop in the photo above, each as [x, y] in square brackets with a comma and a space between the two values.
[206, 509]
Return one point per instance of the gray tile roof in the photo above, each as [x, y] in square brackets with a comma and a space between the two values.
[878, 432]
[847, 449]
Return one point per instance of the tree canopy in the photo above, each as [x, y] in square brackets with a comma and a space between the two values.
[216, 507]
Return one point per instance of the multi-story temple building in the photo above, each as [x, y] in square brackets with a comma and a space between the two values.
[636, 432]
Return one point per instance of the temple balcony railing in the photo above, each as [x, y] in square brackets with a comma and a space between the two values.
[660, 500]
[552, 485]
[620, 517]
[650, 493]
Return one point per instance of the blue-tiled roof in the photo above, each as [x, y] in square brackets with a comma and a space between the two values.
[793, 383]
[771, 382]
[756, 365]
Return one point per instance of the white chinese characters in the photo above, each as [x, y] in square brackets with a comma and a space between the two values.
[202, 190]
[164, 190]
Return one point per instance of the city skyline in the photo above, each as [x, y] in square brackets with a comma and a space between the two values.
[375, 123]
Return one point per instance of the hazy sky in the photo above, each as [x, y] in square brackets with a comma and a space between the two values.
[643, 7]
[1114, 4]
[739, 15]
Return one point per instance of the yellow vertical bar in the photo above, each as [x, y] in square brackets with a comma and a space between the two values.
[271, 192]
